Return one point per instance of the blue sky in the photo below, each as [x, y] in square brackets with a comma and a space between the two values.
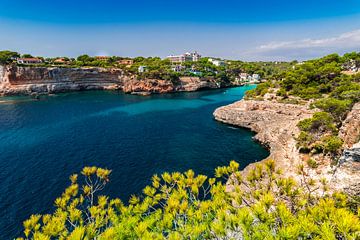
[247, 30]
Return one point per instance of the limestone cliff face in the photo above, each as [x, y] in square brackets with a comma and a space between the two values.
[276, 127]
[2, 72]
[349, 162]
[350, 130]
[147, 86]
[349, 165]
[27, 80]
[274, 123]
[189, 84]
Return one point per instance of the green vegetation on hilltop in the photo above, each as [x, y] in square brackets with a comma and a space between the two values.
[319, 78]
[260, 90]
[260, 205]
[157, 68]
[268, 70]
[332, 84]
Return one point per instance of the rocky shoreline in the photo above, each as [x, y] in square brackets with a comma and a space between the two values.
[275, 127]
[15, 80]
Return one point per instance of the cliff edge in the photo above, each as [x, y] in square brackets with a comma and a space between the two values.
[275, 125]
[16, 80]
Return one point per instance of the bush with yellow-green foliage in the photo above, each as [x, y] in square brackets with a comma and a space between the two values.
[336, 107]
[260, 205]
[319, 134]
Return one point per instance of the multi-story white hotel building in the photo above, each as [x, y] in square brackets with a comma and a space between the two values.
[186, 57]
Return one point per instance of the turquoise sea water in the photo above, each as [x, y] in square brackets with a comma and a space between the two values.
[43, 142]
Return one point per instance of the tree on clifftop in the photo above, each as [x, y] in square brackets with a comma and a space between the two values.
[84, 58]
[8, 56]
[27, 55]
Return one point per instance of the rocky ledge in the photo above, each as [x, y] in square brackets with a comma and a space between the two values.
[15, 80]
[275, 127]
[347, 173]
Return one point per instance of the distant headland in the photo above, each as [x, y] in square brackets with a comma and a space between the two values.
[24, 74]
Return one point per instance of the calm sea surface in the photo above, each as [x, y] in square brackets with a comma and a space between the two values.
[43, 142]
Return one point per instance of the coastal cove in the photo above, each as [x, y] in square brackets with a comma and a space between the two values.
[44, 141]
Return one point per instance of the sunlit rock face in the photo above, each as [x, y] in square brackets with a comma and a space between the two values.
[2, 76]
[350, 130]
[351, 155]
[29, 80]
[276, 127]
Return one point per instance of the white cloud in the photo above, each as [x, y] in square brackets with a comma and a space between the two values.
[345, 40]
[308, 48]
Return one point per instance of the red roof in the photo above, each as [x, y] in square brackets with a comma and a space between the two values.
[102, 57]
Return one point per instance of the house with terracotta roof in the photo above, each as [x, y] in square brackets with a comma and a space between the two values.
[102, 58]
[127, 62]
[61, 60]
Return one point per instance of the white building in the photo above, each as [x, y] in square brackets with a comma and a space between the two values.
[186, 57]
[195, 56]
[256, 77]
[177, 68]
[244, 76]
[217, 62]
[195, 72]
[142, 69]
[29, 60]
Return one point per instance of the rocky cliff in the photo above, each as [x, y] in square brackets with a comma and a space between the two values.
[275, 127]
[2, 72]
[274, 124]
[350, 129]
[27, 80]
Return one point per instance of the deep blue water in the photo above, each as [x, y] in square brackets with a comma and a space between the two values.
[43, 142]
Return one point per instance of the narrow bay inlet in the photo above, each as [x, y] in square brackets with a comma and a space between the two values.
[135, 136]
[179, 120]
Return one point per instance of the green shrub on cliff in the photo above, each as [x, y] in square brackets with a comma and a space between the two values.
[337, 108]
[319, 134]
[260, 205]
[319, 122]
[332, 144]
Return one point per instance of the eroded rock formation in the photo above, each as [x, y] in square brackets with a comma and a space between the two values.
[27, 80]
[275, 127]
[350, 130]
[274, 123]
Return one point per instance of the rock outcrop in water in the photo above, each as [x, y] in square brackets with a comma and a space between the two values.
[274, 123]
[275, 127]
[28, 80]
